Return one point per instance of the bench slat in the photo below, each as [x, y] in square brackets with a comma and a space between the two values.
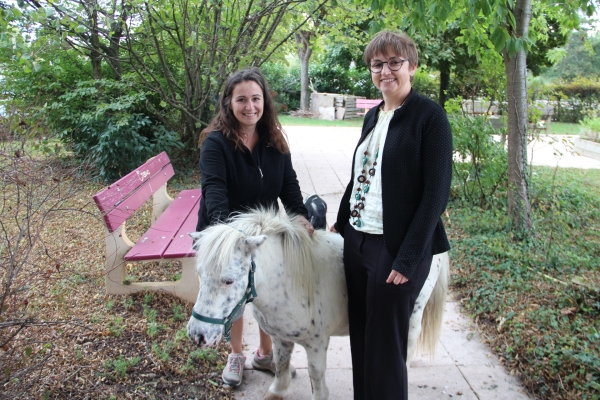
[110, 197]
[156, 240]
[367, 103]
[181, 246]
[123, 210]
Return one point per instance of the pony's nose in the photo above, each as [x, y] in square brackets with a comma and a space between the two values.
[200, 340]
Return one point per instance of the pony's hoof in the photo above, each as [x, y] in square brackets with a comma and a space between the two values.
[272, 396]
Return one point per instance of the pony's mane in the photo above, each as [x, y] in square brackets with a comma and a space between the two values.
[217, 244]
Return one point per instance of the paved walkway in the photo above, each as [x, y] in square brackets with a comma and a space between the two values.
[463, 366]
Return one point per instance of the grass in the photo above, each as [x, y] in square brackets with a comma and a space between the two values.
[537, 300]
[564, 128]
[288, 120]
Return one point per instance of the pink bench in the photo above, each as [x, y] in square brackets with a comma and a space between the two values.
[167, 238]
[366, 104]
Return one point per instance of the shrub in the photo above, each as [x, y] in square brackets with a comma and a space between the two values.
[285, 82]
[591, 128]
[107, 123]
[480, 166]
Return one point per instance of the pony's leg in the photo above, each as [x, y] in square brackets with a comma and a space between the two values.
[414, 325]
[282, 353]
[316, 353]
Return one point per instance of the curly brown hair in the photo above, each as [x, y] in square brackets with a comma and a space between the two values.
[228, 125]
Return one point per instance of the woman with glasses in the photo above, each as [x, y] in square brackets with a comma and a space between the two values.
[390, 214]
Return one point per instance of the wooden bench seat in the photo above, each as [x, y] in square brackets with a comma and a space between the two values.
[366, 104]
[166, 239]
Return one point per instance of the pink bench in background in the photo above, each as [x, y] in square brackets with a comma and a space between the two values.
[167, 238]
[366, 104]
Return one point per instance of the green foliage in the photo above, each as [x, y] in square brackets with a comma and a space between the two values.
[127, 303]
[105, 122]
[284, 81]
[163, 350]
[177, 313]
[425, 84]
[581, 59]
[543, 324]
[591, 124]
[332, 72]
[480, 165]
[572, 100]
[198, 356]
[485, 78]
[576, 98]
[115, 326]
[121, 366]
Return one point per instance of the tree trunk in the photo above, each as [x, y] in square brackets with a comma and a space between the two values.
[95, 55]
[519, 207]
[444, 82]
[304, 53]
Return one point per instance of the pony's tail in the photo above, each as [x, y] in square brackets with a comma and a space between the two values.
[431, 323]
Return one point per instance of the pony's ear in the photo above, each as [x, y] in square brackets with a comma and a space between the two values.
[195, 235]
[253, 242]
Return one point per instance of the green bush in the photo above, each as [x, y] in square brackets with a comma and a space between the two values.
[425, 84]
[330, 75]
[575, 99]
[480, 166]
[285, 82]
[107, 122]
[590, 129]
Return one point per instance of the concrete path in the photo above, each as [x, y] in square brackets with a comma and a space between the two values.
[463, 366]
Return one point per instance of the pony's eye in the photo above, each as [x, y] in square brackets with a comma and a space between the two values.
[228, 281]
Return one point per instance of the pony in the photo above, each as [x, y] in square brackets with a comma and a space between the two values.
[297, 287]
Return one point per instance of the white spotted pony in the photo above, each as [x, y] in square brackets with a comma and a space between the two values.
[300, 291]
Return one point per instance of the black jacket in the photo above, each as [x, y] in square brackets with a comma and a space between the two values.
[234, 180]
[416, 172]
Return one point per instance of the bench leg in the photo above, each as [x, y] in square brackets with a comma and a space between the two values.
[185, 288]
[160, 201]
[117, 246]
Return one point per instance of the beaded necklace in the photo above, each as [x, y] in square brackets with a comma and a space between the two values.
[363, 184]
[363, 180]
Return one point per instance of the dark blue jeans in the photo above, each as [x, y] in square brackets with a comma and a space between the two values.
[379, 315]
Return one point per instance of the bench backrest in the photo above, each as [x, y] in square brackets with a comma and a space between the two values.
[120, 200]
[367, 103]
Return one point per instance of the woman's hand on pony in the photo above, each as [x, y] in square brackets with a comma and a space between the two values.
[307, 225]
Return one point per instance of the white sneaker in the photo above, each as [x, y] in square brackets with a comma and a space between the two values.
[232, 374]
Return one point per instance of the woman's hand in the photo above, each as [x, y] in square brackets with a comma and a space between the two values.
[309, 228]
[332, 229]
[396, 277]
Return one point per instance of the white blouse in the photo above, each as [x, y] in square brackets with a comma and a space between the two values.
[371, 216]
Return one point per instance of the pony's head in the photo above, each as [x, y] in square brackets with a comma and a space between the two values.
[223, 262]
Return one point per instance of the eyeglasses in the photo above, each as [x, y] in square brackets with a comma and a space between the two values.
[394, 64]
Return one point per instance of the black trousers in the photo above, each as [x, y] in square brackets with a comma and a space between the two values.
[379, 315]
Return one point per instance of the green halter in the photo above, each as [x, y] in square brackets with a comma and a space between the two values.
[247, 298]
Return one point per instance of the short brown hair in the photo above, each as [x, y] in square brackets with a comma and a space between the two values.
[399, 43]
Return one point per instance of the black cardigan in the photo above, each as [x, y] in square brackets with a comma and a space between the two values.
[234, 180]
[416, 172]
